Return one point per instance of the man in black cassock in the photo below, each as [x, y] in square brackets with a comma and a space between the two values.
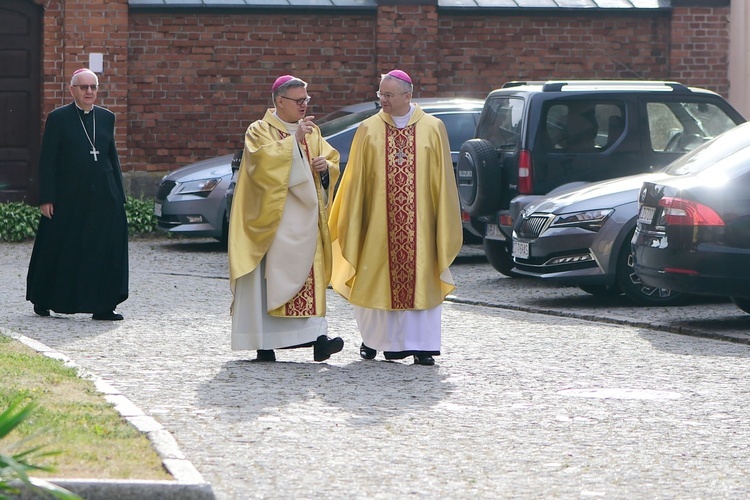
[80, 259]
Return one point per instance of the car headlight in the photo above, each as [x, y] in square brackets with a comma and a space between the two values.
[589, 219]
[202, 187]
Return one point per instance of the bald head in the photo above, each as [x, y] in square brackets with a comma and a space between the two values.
[79, 73]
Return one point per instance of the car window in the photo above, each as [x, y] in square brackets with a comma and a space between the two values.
[682, 126]
[500, 122]
[460, 127]
[727, 152]
[582, 126]
[339, 124]
[343, 141]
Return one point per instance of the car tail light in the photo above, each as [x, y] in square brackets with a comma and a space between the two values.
[524, 172]
[505, 220]
[681, 212]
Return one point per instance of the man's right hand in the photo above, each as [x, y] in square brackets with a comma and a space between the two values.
[47, 209]
[305, 127]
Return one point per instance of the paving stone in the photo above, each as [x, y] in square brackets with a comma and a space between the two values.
[519, 405]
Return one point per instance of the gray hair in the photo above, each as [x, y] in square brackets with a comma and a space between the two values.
[405, 86]
[76, 74]
[283, 88]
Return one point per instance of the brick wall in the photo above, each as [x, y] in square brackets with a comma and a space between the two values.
[196, 81]
[478, 54]
[185, 84]
[700, 47]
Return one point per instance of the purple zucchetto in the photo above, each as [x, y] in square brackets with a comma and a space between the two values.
[401, 75]
[281, 81]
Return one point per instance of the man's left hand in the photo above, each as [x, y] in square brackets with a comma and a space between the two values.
[319, 164]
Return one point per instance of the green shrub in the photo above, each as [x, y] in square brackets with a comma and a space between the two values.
[19, 221]
[141, 218]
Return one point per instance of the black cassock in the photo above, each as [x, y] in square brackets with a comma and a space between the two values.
[80, 257]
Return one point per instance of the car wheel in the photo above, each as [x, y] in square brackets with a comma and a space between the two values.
[601, 290]
[479, 176]
[224, 239]
[498, 256]
[742, 303]
[637, 291]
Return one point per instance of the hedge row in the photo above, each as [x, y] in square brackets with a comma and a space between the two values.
[19, 221]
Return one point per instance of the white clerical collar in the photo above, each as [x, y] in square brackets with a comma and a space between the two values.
[84, 111]
[401, 121]
[291, 127]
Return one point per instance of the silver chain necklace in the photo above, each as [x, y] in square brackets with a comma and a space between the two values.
[93, 148]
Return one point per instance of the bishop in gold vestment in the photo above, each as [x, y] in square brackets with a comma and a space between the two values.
[396, 227]
[279, 245]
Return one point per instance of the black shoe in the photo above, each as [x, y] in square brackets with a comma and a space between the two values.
[324, 347]
[424, 359]
[367, 353]
[41, 311]
[107, 316]
[265, 355]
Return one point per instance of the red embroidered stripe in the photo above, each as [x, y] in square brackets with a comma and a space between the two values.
[401, 206]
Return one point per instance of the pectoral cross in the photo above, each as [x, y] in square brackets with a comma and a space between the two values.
[94, 152]
[400, 158]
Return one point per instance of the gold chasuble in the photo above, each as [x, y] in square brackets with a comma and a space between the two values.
[396, 222]
[278, 219]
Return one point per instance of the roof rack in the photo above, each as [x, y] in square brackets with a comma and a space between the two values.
[557, 86]
[518, 83]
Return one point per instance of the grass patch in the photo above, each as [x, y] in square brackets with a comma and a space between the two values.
[72, 417]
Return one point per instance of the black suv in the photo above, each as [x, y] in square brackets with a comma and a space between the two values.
[536, 138]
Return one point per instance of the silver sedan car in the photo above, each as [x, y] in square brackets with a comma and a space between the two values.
[191, 200]
[581, 236]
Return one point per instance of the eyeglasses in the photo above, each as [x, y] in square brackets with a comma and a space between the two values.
[299, 102]
[86, 87]
[387, 95]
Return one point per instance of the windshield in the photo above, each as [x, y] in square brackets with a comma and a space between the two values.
[730, 147]
[338, 124]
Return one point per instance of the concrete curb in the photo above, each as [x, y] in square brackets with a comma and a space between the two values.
[188, 483]
[601, 318]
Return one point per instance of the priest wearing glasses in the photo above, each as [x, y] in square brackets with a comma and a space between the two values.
[279, 246]
[79, 263]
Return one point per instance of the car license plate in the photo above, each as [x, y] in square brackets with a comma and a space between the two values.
[520, 249]
[157, 209]
[646, 215]
[492, 232]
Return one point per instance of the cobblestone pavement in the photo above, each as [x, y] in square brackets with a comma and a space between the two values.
[520, 405]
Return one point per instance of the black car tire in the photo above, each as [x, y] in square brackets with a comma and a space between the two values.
[637, 291]
[742, 303]
[224, 238]
[479, 177]
[601, 290]
[498, 255]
